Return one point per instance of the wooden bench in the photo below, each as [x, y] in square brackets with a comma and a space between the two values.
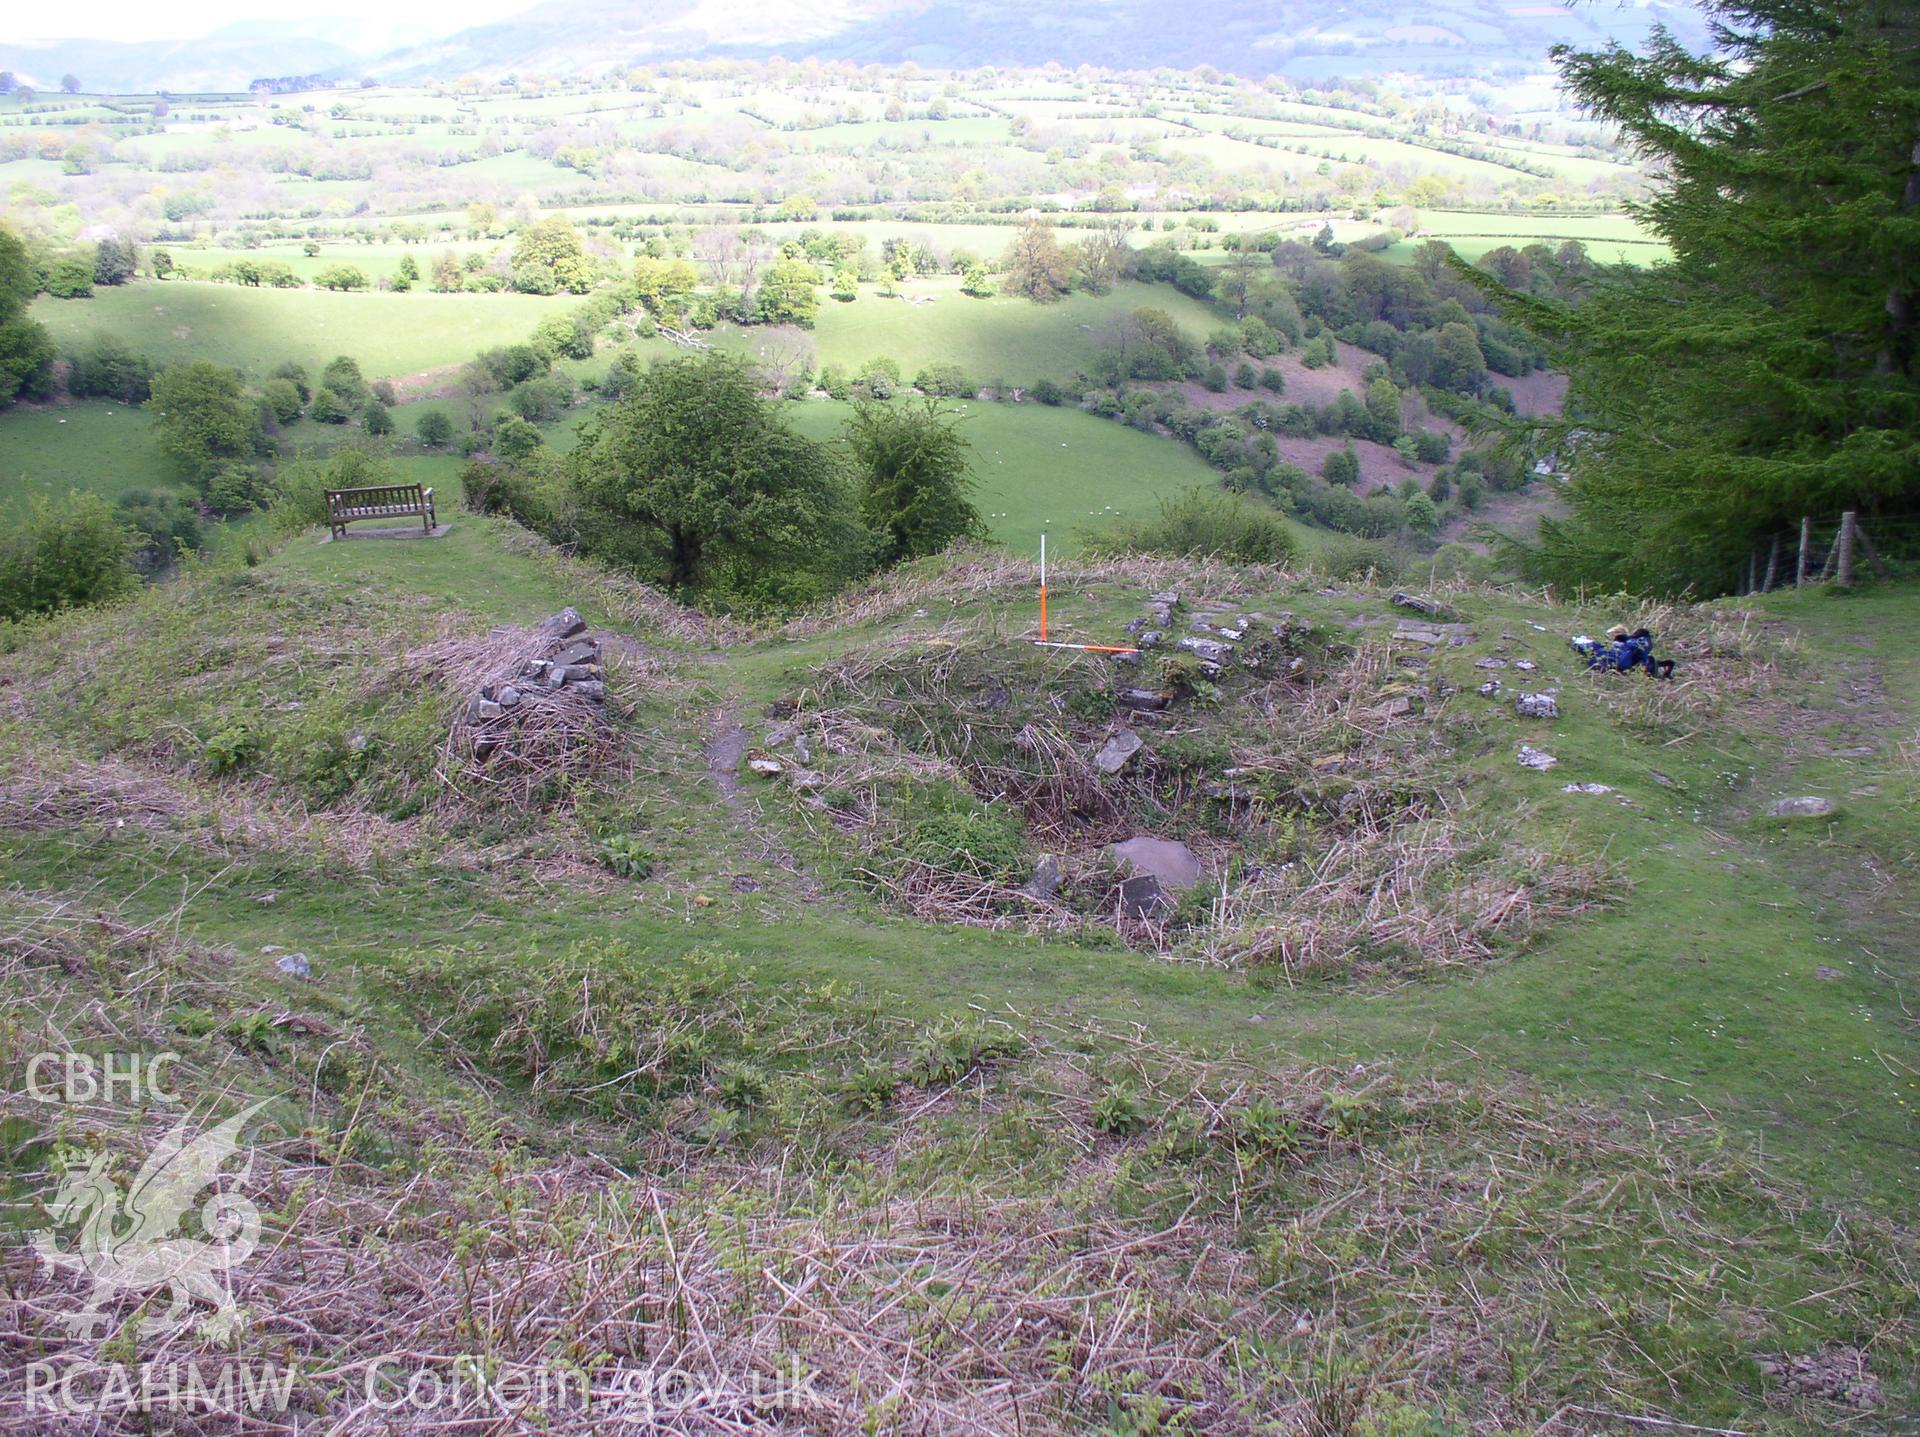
[383, 501]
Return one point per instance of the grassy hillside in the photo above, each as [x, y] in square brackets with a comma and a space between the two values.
[98, 445]
[995, 340]
[253, 330]
[1041, 470]
[1531, 1054]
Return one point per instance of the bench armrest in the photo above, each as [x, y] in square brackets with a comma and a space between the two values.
[426, 495]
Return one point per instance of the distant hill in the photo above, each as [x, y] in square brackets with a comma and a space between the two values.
[1249, 37]
[224, 60]
[207, 63]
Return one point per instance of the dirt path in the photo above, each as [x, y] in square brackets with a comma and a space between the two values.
[724, 750]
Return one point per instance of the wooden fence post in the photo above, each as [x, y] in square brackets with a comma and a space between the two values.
[1773, 565]
[1806, 543]
[1843, 575]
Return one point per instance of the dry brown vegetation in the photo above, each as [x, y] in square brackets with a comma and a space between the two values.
[1044, 1226]
[556, 741]
[1338, 829]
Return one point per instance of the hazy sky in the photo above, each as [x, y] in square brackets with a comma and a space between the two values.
[181, 19]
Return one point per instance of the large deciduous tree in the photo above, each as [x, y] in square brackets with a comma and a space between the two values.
[1771, 369]
[660, 284]
[1035, 264]
[202, 417]
[26, 350]
[703, 471]
[549, 256]
[790, 293]
[914, 477]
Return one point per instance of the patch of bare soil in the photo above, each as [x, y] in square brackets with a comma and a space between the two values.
[724, 750]
[1536, 394]
[1518, 513]
[427, 384]
[1380, 467]
[1833, 1374]
[1323, 386]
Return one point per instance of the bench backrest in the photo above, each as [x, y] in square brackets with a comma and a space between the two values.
[380, 496]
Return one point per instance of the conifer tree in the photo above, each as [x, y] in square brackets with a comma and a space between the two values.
[1772, 368]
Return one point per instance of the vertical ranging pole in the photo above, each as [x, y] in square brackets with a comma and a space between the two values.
[1044, 642]
[1043, 588]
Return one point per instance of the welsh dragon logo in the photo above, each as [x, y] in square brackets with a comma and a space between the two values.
[132, 1242]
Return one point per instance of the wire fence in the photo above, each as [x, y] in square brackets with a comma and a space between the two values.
[1838, 551]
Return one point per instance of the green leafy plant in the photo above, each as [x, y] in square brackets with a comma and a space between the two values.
[1267, 1126]
[1182, 676]
[741, 1085]
[624, 854]
[1182, 1138]
[1121, 1111]
[949, 830]
[871, 1089]
[946, 1055]
[1351, 1115]
[229, 750]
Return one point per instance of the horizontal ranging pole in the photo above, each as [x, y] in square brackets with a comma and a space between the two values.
[1043, 642]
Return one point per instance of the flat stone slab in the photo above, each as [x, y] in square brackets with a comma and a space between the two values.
[563, 625]
[1806, 807]
[1142, 897]
[1117, 751]
[416, 532]
[1047, 875]
[1207, 650]
[1171, 862]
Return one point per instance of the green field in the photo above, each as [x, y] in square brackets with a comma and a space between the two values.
[1039, 469]
[107, 448]
[253, 330]
[376, 261]
[1050, 471]
[996, 340]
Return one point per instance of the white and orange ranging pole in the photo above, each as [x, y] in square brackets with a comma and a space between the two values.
[1043, 588]
[1044, 642]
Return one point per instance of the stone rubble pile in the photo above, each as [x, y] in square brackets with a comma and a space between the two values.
[565, 657]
